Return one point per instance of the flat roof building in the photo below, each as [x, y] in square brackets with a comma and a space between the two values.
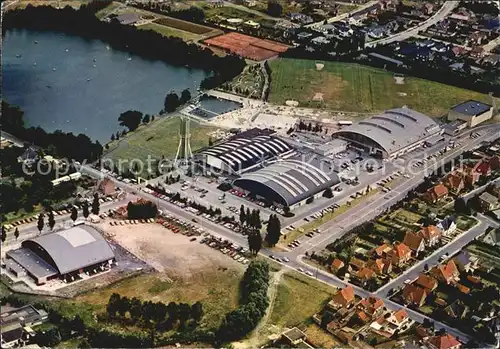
[392, 133]
[57, 254]
[473, 112]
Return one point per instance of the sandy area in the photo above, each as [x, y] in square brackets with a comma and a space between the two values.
[166, 251]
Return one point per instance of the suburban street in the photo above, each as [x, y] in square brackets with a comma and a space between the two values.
[444, 11]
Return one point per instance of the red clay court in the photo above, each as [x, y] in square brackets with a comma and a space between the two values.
[247, 46]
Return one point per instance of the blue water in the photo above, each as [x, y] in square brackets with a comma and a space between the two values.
[48, 80]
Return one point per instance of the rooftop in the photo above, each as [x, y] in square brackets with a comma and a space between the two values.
[471, 108]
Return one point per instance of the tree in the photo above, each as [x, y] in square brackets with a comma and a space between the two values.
[274, 8]
[95, 204]
[85, 209]
[123, 306]
[77, 325]
[243, 216]
[328, 193]
[254, 242]
[40, 223]
[113, 305]
[197, 311]
[461, 206]
[112, 136]
[171, 102]
[135, 309]
[52, 221]
[4, 234]
[310, 200]
[273, 230]
[16, 233]
[74, 213]
[131, 119]
[185, 96]
[146, 119]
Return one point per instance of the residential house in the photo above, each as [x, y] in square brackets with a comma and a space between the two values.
[400, 254]
[343, 299]
[492, 237]
[462, 288]
[215, 3]
[365, 274]
[455, 182]
[447, 273]
[381, 265]
[16, 324]
[372, 306]
[363, 317]
[436, 193]
[414, 295]
[426, 282]
[471, 174]
[355, 264]
[431, 235]
[459, 51]
[466, 262]
[415, 242]
[445, 341]
[428, 8]
[494, 162]
[488, 202]
[336, 265]
[483, 167]
[382, 250]
[447, 226]
[398, 320]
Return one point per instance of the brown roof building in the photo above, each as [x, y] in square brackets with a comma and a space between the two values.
[415, 242]
[426, 282]
[446, 341]
[336, 265]
[414, 295]
[343, 298]
[400, 254]
[446, 272]
[373, 306]
[436, 193]
[431, 235]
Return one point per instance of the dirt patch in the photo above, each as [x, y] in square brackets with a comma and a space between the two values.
[168, 252]
[328, 86]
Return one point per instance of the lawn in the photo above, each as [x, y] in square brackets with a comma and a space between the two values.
[357, 88]
[217, 290]
[298, 298]
[107, 10]
[294, 234]
[161, 138]
[319, 338]
[183, 25]
[168, 31]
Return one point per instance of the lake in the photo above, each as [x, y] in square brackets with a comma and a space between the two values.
[81, 86]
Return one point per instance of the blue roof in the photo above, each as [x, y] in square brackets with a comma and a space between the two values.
[471, 108]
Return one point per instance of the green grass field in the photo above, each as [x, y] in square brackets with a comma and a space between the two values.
[168, 31]
[156, 140]
[357, 88]
[298, 298]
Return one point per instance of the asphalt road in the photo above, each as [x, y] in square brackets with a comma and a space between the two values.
[442, 13]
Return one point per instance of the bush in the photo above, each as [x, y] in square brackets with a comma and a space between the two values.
[141, 210]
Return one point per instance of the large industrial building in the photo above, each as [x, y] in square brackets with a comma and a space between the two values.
[392, 133]
[244, 151]
[65, 253]
[289, 182]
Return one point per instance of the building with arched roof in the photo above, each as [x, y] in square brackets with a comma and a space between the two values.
[289, 181]
[392, 133]
[72, 251]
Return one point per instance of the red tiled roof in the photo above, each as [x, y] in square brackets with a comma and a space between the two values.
[347, 294]
[412, 240]
[381, 249]
[454, 180]
[402, 250]
[414, 294]
[365, 273]
[337, 263]
[439, 190]
[427, 282]
[446, 341]
[448, 270]
[463, 289]
[371, 304]
[400, 315]
[429, 232]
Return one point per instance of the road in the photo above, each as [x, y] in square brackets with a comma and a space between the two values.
[442, 13]
[343, 223]
[344, 15]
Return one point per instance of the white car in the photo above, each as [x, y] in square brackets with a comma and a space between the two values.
[285, 259]
[309, 273]
[300, 269]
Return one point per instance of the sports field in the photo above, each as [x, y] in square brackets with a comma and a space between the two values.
[168, 31]
[156, 140]
[357, 88]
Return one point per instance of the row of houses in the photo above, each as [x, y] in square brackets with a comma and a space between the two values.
[462, 177]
